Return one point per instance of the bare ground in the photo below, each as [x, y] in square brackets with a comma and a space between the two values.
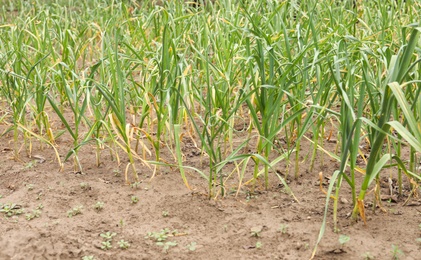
[262, 225]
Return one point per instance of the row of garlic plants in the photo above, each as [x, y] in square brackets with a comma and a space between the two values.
[135, 78]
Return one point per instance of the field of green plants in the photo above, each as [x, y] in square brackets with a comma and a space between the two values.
[137, 79]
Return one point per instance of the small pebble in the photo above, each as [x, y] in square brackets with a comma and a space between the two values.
[344, 201]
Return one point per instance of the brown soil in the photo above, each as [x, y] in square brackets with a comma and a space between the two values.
[228, 228]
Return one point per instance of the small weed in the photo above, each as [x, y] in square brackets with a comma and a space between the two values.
[10, 209]
[108, 235]
[250, 196]
[225, 228]
[31, 164]
[74, 211]
[191, 246]
[30, 187]
[35, 214]
[166, 246]
[122, 223]
[158, 236]
[135, 185]
[367, 256]
[396, 252]
[106, 245]
[343, 239]
[99, 205]
[88, 257]
[39, 196]
[283, 228]
[161, 236]
[123, 244]
[135, 199]
[165, 214]
[117, 173]
[259, 244]
[85, 186]
[255, 231]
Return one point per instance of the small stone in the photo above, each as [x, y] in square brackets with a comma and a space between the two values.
[344, 201]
